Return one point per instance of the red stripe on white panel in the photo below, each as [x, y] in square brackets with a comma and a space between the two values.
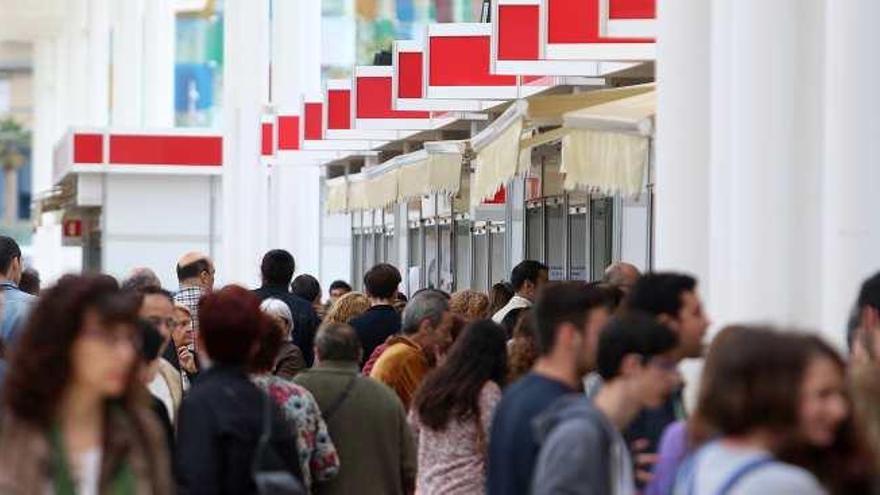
[632, 9]
[338, 109]
[88, 148]
[409, 68]
[462, 61]
[580, 22]
[374, 101]
[266, 142]
[314, 125]
[519, 35]
[288, 132]
[143, 149]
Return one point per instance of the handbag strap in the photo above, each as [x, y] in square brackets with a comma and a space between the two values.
[742, 471]
[330, 411]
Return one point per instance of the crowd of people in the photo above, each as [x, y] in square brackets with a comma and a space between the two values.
[537, 387]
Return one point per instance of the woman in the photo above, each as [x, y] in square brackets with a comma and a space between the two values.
[452, 412]
[223, 418]
[75, 417]
[521, 350]
[289, 360]
[500, 294]
[772, 412]
[347, 308]
[317, 455]
[182, 339]
[470, 305]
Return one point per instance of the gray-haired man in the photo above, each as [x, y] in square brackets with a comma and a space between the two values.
[409, 356]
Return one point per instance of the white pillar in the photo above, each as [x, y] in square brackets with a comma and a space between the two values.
[296, 70]
[682, 144]
[764, 124]
[159, 34]
[98, 76]
[246, 78]
[76, 38]
[128, 63]
[44, 135]
[851, 230]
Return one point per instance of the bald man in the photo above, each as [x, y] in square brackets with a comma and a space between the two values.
[195, 273]
[623, 275]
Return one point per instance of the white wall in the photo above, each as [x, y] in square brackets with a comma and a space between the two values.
[152, 220]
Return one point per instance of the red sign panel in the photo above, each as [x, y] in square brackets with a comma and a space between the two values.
[88, 148]
[288, 132]
[136, 149]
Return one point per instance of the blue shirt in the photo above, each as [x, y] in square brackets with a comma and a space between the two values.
[513, 448]
[16, 305]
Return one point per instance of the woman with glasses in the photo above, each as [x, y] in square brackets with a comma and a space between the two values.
[290, 360]
[75, 419]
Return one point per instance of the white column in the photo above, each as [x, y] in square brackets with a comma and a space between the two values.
[851, 229]
[246, 78]
[158, 83]
[44, 136]
[98, 73]
[128, 63]
[682, 144]
[76, 38]
[764, 126]
[296, 70]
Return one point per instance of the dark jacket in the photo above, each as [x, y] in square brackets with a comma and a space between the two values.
[369, 429]
[375, 326]
[305, 321]
[220, 422]
[290, 361]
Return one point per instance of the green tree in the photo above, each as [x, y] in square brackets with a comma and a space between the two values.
[15, 148]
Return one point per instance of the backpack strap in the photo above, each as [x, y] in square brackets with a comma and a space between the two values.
[742, 471]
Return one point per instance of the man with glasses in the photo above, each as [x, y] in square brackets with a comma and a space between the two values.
[157, 307]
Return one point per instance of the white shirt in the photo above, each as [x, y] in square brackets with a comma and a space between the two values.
[516, 302]
[89, 478]
[160, 389]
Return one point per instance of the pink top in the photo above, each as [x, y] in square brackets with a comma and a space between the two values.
[453, 461]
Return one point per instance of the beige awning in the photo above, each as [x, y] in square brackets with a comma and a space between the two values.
[436, 169]
[607, 147]
[496, 151]
[337, 195]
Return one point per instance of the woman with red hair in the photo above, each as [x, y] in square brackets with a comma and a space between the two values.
[222, 419]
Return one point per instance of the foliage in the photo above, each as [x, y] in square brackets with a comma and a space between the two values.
[15, 144]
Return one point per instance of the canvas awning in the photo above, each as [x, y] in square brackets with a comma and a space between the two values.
[496, 150]
[607, 147]
[436, 169]
[337, 195]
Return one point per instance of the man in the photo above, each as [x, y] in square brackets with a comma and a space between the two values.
[195, 274]
[140, 277]
[622, 275]
[17, 303]
[865, 323]
[157, 308]
[567, 318]
[379, 459]
[527, 279]
[307, 288]
[338, 289]
[582, 451]
[277, 270]
[30, 281]
[671, 298]
[381, 320]
[408, 357]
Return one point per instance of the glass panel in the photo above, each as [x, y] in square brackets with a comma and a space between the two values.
[390, 248]
[415, 260]
[462, 255]
[369, 252]
[446, 257]
[499, 265]
[555, 247]
[577, 242]
[431, 256]
[601, 236]
[535, 233]
[481, 262]
[357, 261]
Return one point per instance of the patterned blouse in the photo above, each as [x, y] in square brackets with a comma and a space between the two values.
[317, 455]
[453, 461]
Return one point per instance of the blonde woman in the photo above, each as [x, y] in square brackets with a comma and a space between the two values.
[347, 308]
[470, 305]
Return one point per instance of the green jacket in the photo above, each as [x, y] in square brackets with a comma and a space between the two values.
[369, 429]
